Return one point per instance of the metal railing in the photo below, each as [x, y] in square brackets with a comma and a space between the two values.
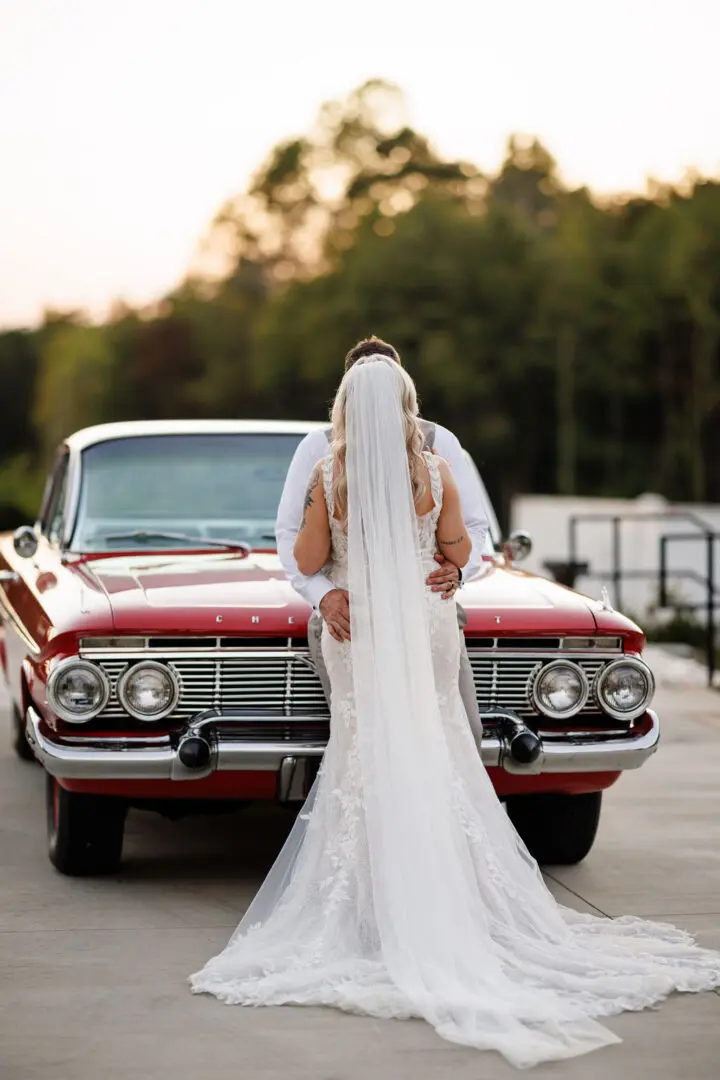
[704, 533]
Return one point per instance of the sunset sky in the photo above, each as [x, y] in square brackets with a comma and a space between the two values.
[124, 126]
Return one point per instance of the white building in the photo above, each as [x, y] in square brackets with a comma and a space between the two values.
[643, 522]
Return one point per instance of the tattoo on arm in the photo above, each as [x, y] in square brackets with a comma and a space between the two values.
[314, 481]
[449, 543]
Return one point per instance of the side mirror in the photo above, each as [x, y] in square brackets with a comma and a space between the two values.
[518, 546]
[25, 541]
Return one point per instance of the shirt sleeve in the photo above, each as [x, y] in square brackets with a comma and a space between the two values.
[471, 500]
[289, 516]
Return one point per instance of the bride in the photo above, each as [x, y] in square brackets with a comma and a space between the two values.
[403, 889]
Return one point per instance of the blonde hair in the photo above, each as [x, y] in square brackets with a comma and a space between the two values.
[414, 439]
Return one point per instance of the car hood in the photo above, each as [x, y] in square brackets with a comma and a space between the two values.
[508, 601]
[218, 593]
[226, 593]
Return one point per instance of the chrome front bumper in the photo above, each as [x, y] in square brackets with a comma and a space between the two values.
[159, 758]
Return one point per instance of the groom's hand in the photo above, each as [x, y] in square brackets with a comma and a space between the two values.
[446, 579]
[335, 610]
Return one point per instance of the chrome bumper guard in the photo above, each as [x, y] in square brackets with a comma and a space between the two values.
[161, 757]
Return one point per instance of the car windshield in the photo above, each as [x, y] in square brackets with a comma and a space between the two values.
[204, 487]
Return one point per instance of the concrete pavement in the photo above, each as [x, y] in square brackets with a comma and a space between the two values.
[93, 971]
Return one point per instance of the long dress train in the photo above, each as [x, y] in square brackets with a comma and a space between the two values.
[442, 913]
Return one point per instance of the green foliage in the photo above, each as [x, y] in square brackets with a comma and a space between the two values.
[21, 487]
[73, 382]
[18, 372]
[573, 346]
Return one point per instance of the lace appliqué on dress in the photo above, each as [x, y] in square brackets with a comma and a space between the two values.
[539, 972]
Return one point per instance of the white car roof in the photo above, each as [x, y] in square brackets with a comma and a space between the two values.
[134, 428]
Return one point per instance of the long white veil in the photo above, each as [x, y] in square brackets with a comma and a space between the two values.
[403, 889]
[432, 916]
[408, 782]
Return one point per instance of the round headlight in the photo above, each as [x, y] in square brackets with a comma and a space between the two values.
[624, 688]
[77, 690]
[148, 690]
[561, 689]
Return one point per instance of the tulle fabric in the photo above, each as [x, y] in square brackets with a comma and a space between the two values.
[403, 889]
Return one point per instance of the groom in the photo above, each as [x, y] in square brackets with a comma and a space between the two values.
[332, 604]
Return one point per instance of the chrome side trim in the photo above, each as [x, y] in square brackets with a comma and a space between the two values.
[213, 648]
[540, 654]
[19, 626]
[192, 654]
[157, 758]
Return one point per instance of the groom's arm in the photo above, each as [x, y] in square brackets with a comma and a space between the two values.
[290, 511]
[471, 500]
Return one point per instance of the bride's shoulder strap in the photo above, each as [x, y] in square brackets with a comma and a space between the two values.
[327, 477]
[436, 483]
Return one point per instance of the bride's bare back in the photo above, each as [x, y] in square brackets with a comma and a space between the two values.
[313, 544]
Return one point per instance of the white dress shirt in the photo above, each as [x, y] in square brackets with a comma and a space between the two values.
[290, 511]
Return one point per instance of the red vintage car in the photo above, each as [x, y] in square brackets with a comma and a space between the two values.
[157, 657]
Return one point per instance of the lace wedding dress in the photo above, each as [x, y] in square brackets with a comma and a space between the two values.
[403, 889]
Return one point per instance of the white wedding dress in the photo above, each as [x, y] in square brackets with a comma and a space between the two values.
[403, 889]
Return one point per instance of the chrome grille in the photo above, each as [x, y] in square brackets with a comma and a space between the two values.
[313, 732]
[508, 680]
[272, 685]
[281, 683]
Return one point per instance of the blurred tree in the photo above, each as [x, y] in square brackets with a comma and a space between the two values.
[223, 330]
[571, 249]
[163, 368]
[305, 204]
[572, 344]
[446, 288]
[529, 182]
[695, 276]
[74, 381]
[18, 371]
[675, 250]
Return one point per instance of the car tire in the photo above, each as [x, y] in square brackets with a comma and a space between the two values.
[20, 745]
[85, 832]
[558, 830]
